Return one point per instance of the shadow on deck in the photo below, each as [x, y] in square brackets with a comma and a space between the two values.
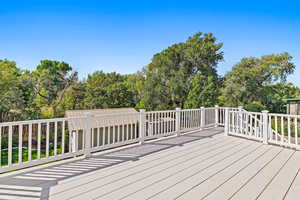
[36, 183]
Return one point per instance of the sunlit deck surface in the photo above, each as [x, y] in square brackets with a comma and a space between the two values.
[201, 165]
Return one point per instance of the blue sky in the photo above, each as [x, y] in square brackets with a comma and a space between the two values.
[122, 36]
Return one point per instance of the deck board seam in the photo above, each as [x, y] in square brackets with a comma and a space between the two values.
[284, 164]
[290, 186]
[159, 180]
[235, 174]
[219, 139]
[220, 160]
[254, 175]
[230, 146]
[226, 167]
[221, 145]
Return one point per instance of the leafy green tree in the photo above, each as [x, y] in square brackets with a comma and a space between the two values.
[248, 80]
[203, 92]
[107, 90]
[51, 80]
[169, 76]
[12, 98]
[275, 95]
[74, 98]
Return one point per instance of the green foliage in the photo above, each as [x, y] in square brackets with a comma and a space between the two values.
[108, 90]
[182, 75]
[255, 106]
[51, 80]
[203, 92]
[250, 79]
[169, 76]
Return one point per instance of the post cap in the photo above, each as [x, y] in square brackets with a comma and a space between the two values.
[202, 107]
[142, 110]
[178, 108]
[216, 105]
[265, 111]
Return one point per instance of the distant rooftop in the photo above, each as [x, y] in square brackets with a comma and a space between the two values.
[292, 99]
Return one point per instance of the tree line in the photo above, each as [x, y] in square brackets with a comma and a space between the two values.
[182, 75]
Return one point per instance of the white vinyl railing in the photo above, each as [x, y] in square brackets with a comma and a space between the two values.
[29, 143]
[270, 128]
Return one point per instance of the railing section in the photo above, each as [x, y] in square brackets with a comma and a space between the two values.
[27, 143]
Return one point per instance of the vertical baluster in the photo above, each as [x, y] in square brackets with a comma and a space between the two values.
[119, 131]
[29, 141]
[159, 123]
[276, 129]
[131, 128]
[63, 137]
[70, 141]
[127, 130]
[1, 146]
[289, 130]
[234, 128]
[255, 125]
[103, 135]
[152, 125]
[10, 145]
[270, 127]
[251, 124]
[165, 122]
[98, 136]
[47, 139]
[189, 119]
[296, 130]
[76, 141]
[109, 133]
[114, 133]
[192, 119]
[282, 130]
[92, 137]
[55, 137]
[20, 153]
[124, 130]
[185, 119]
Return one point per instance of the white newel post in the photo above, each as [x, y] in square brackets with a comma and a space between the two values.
[88, 135]
[73, 141]
[202, 112]
[217, 115]
[226, 122]
[265, 126]
[178, 117]
[142, 126]
[241, 119]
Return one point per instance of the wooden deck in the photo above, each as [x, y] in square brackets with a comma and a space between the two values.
[201, 165]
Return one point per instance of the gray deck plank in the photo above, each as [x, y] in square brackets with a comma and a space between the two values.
[103, 185]
[227, 189]
[256, 185]
[294, 190]
[116, 172]
[204, 188]
[201, 165]
[194, 176]
[166, 172]
[281, 183]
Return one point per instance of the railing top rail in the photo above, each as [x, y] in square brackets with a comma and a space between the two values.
[161, 111]
[284, 115]
[117, 114]
[32, 121]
